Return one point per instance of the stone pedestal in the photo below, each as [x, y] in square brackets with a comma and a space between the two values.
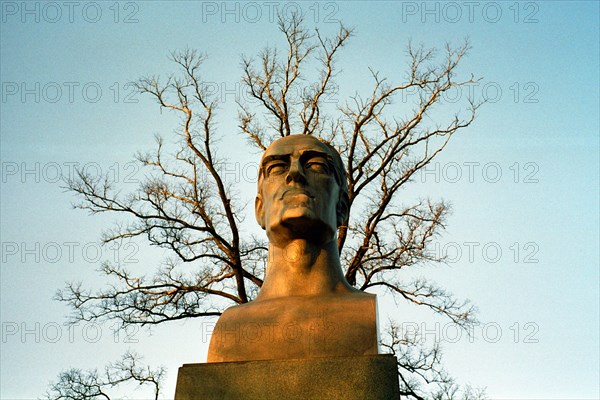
[371, 377]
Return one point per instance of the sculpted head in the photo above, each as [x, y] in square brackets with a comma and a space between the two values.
[302, 190]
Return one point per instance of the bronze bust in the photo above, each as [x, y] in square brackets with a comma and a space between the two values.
[305, 307]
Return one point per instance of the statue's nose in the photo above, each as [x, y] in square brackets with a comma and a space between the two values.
[295, 172]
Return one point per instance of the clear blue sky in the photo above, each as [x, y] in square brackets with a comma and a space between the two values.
[523, 180]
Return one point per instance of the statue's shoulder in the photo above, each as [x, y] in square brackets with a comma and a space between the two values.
[360, 294]
[239, 313]
[232, 310]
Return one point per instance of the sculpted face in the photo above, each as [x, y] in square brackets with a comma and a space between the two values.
[299, 195]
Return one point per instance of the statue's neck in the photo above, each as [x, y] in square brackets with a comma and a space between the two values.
[302, 268]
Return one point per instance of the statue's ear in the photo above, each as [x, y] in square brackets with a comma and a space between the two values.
[259, 211]
[343, 209]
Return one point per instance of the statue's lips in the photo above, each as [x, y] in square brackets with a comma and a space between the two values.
[296, 193]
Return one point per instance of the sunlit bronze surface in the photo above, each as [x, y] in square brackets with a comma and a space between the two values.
[305, 307]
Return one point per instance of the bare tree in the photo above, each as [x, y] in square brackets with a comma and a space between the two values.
[420, 373]
[185, 205]
[75, 384]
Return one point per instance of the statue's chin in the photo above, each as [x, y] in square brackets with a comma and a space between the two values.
[300, 222]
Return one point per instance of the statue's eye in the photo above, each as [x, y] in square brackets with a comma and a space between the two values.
[317, 165]
[277, 168]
